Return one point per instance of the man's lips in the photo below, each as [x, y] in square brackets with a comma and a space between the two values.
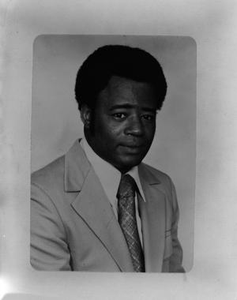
[132, 148]
[132, 145]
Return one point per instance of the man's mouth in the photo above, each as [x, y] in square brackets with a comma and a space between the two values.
[132, 145]
[132, 148]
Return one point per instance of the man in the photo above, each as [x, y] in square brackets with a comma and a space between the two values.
[99, 208]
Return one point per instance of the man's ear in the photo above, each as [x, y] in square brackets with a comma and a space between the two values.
[86, 115]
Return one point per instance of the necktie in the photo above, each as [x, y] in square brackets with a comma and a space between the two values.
[128, 222]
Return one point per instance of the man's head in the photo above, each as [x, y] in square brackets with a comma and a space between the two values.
[118, 90]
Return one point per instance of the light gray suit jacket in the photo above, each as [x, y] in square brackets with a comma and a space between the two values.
[73, 226]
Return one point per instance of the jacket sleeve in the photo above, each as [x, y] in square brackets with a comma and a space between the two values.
[175, 260]
[49, 249]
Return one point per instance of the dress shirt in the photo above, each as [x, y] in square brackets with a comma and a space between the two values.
[110, 177]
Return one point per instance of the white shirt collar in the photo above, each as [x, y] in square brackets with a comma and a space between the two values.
[108, 175]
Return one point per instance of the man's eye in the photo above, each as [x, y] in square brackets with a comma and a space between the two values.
[148, 117]
[119, 115]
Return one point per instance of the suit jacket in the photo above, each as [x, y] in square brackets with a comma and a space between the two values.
[73, 226]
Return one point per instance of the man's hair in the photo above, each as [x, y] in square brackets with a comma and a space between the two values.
[117, 60]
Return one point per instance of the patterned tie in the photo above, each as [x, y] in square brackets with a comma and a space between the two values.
[128, 222]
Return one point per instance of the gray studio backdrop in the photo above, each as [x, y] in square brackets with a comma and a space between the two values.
[56, 121]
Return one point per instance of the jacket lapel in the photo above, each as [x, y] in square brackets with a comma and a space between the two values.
[93, 207]
[153, 220]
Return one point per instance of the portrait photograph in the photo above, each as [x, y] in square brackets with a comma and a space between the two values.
[118, 150]
[57, 124]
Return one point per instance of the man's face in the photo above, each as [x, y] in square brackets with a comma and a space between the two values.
[124, 123]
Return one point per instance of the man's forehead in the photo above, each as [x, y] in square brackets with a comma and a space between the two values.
[127, 93]
[144, 107]
[117, 82]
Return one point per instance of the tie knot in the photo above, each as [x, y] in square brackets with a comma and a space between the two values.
[127, 186]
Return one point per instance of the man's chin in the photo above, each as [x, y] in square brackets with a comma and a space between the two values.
[128, 165]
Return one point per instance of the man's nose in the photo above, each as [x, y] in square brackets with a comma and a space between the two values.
[134, 127]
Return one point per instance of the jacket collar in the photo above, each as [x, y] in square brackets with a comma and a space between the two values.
[77, 168]
[146, 176]
[98, 215]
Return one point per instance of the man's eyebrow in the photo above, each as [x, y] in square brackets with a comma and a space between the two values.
[129, 106]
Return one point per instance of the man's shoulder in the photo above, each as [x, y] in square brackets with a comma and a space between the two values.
[66, 172]
[161, 180]
[155, 174]
[51, 173]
